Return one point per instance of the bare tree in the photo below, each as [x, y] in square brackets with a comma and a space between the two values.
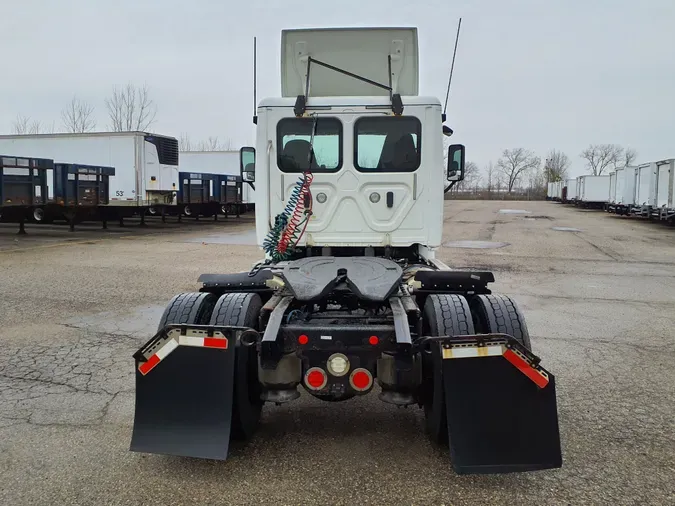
[471, 175]
[514, 162]
[35, 127]
[77, 116]
[537, 179]
[629, 156]
[210, 144]
[184, 143]
[21, 124]
[557, 164]
[601, 157]
[490, 176]
[213, 144]
[130, 109]
[24, 125]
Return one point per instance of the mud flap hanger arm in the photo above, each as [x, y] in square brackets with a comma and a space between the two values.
[232, 333]
[485, 345]
[301, 101]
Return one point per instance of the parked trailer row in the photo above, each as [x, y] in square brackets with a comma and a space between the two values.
[40, 190]
[147, 175]
[146, 165]
[79, 191]
[646, 190]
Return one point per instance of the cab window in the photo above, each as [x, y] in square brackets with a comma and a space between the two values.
[387, 144]
[293, 143]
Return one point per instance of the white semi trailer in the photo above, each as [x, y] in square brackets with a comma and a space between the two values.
[628, 194]
[593, 191]
[571, 185]
[645, 182]
[146, 165]
[617, 185]
[559, 190]
[662, 198]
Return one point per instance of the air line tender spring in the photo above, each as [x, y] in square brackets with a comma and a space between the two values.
[286, 233]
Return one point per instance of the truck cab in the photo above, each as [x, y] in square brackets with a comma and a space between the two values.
[373, 147]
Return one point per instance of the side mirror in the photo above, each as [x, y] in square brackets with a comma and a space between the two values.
[247, 164]
[455, 163]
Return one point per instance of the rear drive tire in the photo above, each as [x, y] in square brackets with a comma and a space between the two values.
[444, 315]
[189, 308]
[499, 314]
[242, 310]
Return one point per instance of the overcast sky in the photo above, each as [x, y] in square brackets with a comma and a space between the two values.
[531, 73]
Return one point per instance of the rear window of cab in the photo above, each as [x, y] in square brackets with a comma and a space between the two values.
[293, 141]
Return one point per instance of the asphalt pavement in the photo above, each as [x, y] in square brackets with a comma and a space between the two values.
[598, 292]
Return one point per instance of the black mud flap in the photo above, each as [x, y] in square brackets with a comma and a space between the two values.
[499, 419]
[184, 402]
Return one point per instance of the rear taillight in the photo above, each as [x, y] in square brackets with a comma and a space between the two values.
[316, 378]
[361, 380]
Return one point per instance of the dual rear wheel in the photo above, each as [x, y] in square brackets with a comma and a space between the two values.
[236, 309]
[443, 315]
[454, 315]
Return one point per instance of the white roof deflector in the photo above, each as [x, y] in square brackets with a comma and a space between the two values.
[364, 52]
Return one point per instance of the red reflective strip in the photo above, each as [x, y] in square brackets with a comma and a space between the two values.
[215, 342]
[146, 367]
[529, 371]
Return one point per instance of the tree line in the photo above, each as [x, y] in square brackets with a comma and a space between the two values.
[519, 169]
[129, 109]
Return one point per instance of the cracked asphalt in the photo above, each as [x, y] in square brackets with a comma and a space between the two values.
[599, 303]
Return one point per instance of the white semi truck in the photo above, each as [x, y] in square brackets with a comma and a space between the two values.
[146, 165]
[350, 176]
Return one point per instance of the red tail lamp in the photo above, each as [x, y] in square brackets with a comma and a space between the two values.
[316, 378]
[361, 379]
[373, 340]
[303, 339]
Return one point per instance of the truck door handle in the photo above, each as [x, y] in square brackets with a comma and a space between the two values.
[390, 199]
